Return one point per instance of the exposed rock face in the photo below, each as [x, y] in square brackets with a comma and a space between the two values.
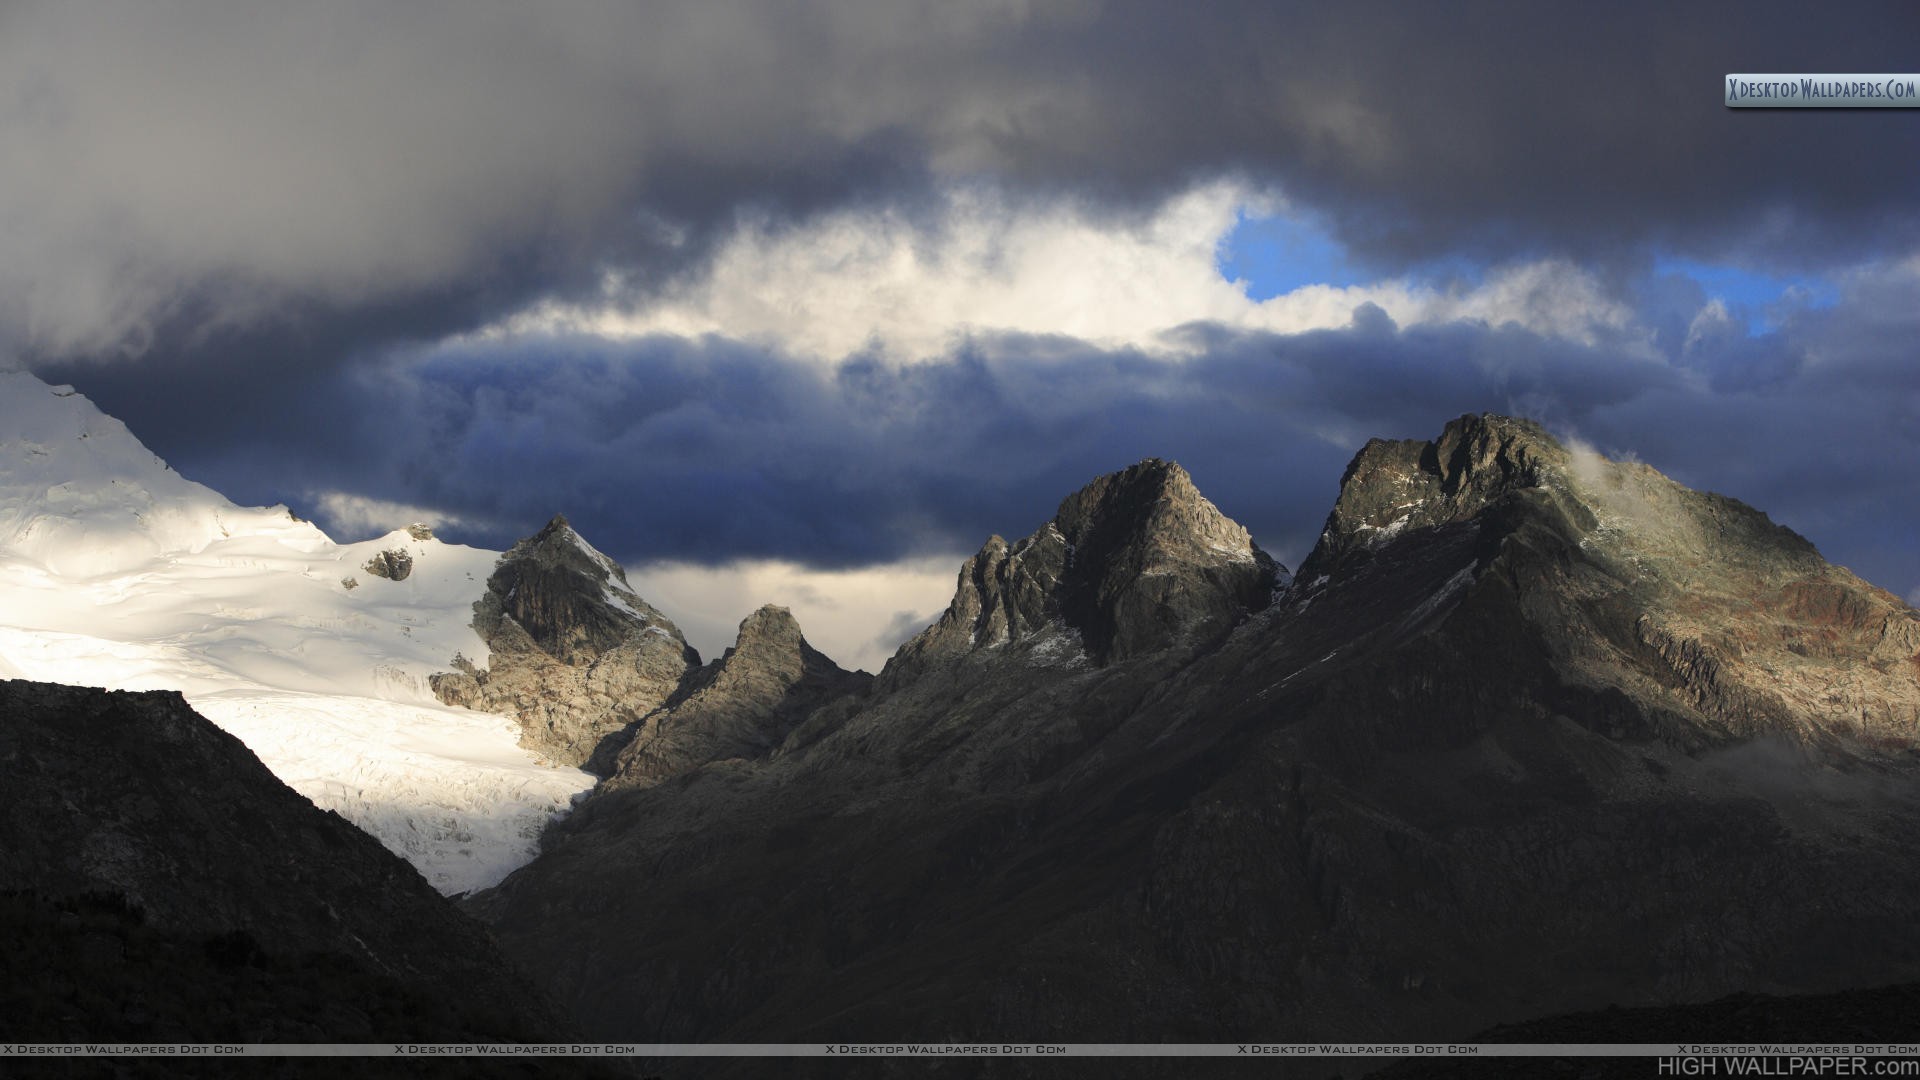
[1393, 486]
[164, 886]
[1691, 602]
[393, 564]
[576, 656]
[1533, 732]
[742, 705]
[1135, 562]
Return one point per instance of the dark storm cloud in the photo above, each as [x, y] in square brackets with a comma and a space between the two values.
[238, 163]
[710, 450]
[280, 213]
[1589, 129]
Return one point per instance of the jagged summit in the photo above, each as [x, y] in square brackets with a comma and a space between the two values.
[1136, 561]
[1488, 462]
[1396, 485]
[1553, 730]
[769, 638]
[772, 627]
[576, 656]
[571, 600]
[559, 544]
[742, 705]
[1722, 624]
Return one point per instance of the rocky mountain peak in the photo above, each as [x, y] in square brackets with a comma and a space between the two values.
[770, 629]
[1692, 604]
[742, 705]
[1543, 700]
[557, 545]
[1153, 562]
[1483, 462]
[572, 601]
[1396, 485]
[1134, 562]
[1488, 452]
[770, 650]
[575, 654]
[1151, 510]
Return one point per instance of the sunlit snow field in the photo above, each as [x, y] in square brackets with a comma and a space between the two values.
[117, 572]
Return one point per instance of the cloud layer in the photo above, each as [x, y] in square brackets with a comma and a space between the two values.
[858, 617]
[911, 287]
[223, 165]
[707, 450]
[804, 290]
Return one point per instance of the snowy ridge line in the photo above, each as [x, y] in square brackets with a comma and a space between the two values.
[117, 572]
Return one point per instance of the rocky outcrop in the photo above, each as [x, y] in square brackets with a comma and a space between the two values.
[1136, 562]
[1534, 731]
[161, 885]
[392, 564]
[1692, 604]
[741, 706]
[575, 655]
[1395, 485]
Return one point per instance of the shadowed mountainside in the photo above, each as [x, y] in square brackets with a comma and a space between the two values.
[741, 706]
[1531, 731]
[158, 884]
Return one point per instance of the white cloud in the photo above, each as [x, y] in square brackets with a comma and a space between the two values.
[1552, 297]
[844, 613]
[844, 280]
[348, 517]
[1712, 324]
[254, 164]
[851, 280]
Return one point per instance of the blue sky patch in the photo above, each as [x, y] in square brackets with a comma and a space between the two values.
[1278, 254]
[1754, 297]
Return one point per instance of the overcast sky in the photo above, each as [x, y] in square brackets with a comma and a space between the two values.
[811, 298]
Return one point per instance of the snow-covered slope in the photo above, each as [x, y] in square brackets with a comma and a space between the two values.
[116, 571]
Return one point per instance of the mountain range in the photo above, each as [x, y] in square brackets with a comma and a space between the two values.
[1529, 731]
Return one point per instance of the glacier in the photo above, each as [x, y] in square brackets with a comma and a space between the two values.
[118, 572]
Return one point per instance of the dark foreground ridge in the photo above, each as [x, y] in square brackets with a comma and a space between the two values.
[158, 884]
[1532, 732]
